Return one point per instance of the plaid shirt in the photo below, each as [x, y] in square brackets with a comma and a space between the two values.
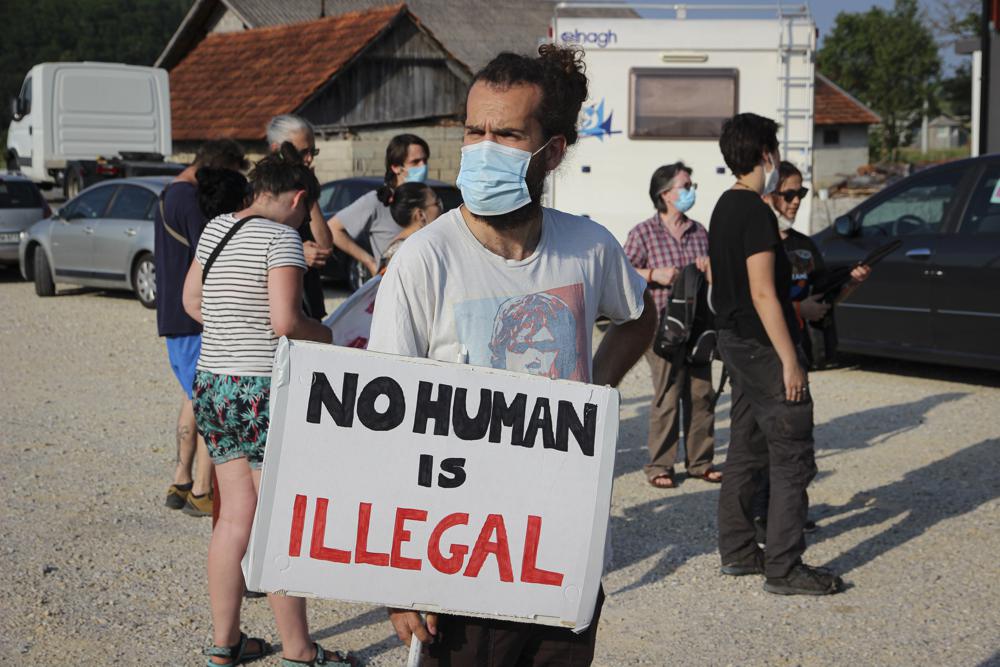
[651, 246]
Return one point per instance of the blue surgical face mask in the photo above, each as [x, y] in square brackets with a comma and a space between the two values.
[416, 174]
[491, 177]
[685, 201]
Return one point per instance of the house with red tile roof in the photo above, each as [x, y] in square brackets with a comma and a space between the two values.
[358, 77]
[840, 132]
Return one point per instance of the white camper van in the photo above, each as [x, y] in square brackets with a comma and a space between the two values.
[662, 82]
[78, 123]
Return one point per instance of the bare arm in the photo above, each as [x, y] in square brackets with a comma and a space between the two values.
[760, 272]
[317, 225]
[624, 344]
[284, 294]
[191, 297]
[343, 240]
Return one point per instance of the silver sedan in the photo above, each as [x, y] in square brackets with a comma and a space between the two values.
[21, 205]
[103, 237]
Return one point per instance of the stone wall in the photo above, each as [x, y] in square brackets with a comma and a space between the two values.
[362, 153]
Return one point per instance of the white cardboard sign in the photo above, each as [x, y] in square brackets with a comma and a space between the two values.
[433, 486]
[351, 322]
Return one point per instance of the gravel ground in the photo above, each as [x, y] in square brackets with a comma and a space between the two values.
[97, 571]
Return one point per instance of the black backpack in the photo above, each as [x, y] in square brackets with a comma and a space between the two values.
[686, 332]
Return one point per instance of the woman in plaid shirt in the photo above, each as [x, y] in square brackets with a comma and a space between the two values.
[659, 248]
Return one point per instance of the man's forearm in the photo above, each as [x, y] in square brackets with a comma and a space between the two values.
[624, 344]
[320, 232]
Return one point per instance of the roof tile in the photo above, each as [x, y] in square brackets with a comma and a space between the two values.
[835, 106]
[231, 84]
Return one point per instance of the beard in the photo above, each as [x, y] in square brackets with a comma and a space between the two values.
[534, 178]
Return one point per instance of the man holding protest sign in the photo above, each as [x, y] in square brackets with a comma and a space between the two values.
[503, 283]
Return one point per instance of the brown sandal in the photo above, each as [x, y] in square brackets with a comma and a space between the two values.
[707, 476]
[669, 476]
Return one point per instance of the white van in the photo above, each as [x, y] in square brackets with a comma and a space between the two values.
[78, 123]
[661, 84]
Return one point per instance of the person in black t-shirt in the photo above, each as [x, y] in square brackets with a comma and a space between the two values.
[178, 223]
[771, 416]
[815, 326]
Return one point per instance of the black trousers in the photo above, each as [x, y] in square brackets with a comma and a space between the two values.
[766, 431]
[482, 642]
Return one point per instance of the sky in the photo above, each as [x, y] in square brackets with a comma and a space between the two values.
[825, 13]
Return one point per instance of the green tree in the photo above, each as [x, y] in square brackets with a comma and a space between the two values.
[887, 59]
[122, 31]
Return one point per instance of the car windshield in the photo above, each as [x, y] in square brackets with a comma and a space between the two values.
[17, 194]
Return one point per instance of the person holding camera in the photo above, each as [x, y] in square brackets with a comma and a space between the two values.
[659, 248]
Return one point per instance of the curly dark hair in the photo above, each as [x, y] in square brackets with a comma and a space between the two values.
[560, 74]
[221, 153]
[745, 138]
[284, 171]
[220, 191]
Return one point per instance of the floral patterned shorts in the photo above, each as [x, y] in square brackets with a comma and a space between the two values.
[232, 415]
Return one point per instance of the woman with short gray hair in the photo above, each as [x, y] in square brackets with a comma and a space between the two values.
[317, 241]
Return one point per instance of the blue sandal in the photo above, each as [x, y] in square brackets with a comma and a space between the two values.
[238, 652]
[335, 660]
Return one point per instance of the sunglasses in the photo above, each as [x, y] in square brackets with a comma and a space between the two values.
[790, 195]
[309, 151]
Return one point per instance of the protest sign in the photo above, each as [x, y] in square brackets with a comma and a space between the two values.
[351, 322]
[442, 487]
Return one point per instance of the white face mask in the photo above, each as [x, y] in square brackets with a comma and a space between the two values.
[771, 177]
[784, 224]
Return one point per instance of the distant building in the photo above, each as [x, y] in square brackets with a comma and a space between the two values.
[840, 133]
[945, 132]
[362, 74]
[359, 78]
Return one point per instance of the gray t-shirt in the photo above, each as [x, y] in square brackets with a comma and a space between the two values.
[368, 215]
[444, 292]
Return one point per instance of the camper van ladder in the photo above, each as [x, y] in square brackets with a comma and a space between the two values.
[796, 87]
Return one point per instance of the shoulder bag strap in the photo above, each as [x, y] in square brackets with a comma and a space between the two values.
[225, 239]
[176, 235]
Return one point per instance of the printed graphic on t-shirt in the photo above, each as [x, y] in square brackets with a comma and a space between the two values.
[544, 333]
[802, 265]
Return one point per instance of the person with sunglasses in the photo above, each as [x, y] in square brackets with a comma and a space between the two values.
[658, 248]
[317, 240]
[816, 329]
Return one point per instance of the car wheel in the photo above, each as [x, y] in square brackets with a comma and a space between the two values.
[144, 280]
[73, 184]
[357, 275]
[44, 285]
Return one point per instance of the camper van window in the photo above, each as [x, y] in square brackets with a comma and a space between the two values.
[671, 102]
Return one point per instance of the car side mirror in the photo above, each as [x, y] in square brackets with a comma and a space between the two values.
[846, 225]
[15, 108]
